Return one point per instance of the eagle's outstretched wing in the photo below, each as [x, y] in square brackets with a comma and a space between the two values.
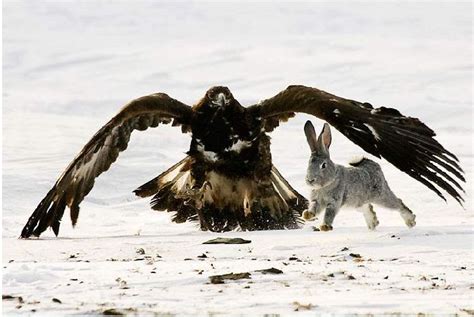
[384, 132]
[99, 153]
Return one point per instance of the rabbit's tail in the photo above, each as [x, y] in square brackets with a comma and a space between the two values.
[362, 161]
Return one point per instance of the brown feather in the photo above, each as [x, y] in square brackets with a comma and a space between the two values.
[405, 142]
[98, 155]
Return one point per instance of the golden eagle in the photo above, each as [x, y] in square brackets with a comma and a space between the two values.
[227, 179]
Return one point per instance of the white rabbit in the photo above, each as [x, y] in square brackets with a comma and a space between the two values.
[334, 186]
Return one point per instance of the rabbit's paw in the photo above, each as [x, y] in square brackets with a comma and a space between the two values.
[410, 221]
[373, 224]
[325, 227]
[308, 215]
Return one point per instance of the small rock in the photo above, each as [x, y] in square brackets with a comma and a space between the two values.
[270, 271]
[140, 251]
[355, 255]
[112, 312]
[216, 280]
[219, 279]
[227, 241]
[55, 300]
[299, 306]
[202, 256]
[344, 249]
[122, 283]
[10, 297]
[468, 311]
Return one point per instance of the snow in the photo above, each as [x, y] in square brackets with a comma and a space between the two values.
[68, 68]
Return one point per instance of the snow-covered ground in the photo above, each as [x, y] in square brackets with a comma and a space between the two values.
[69, 66]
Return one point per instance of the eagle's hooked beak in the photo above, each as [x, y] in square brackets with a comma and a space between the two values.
[221, 100]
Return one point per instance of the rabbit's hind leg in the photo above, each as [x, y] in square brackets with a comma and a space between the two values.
[407, 215]
[370, 216]
[393, 202]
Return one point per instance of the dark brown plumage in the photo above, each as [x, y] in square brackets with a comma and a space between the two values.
[228, 180]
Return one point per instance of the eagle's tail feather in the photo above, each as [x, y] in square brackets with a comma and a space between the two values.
[288, 193]
[295, 201]
[165, 188]
[226, 204]
[152, 187]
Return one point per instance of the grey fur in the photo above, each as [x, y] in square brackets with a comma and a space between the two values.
[334, 186]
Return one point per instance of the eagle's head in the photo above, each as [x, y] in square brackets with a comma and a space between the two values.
[219, 96]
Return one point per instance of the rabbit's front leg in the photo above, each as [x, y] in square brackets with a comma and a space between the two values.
[329, 215]
[314, 209]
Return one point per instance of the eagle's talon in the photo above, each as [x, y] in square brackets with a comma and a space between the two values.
[203, 224]
[193, 196]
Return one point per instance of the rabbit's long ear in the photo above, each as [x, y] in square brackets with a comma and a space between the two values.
[311, 136]
[325, 138]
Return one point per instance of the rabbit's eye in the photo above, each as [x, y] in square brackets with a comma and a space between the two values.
[323, 165]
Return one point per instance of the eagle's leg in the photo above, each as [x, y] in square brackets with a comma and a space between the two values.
[199, 204]
[194, 197]
[198, 173]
